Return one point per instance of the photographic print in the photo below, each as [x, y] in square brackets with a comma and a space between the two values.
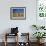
[18, 13]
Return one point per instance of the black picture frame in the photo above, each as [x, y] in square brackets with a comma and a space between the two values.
[18, 13]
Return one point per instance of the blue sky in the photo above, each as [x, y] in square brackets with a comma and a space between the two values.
[18, 10]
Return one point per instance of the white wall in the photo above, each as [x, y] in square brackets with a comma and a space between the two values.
[24, 25]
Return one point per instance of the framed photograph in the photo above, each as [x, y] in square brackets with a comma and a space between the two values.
[41, 9]
[18, 13]
[41, 12]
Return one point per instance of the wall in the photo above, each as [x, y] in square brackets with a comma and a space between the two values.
[24, 25]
